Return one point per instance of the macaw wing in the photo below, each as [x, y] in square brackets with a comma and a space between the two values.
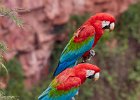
[70, 83]
[54, 94]
[63, 87]
[77, 46]
[62, 77]
[67, 89]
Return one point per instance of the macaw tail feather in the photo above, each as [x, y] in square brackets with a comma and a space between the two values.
[44, 95]
[43, 98]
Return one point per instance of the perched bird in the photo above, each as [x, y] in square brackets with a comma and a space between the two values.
[66, 85]
[84, 39]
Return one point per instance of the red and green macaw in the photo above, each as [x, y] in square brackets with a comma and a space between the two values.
[84, 39]
[66, 85]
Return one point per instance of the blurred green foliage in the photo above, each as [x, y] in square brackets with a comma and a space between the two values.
[16, 77]
[16, 85]
[3, 69]
[12, 14]
[129, 25]
[117, 54]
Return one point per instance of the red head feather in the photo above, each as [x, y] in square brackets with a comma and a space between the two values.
[87, 66]
[101, 17]
[80, 70]
[75, 76]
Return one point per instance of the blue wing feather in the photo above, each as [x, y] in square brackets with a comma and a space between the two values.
[70, 58]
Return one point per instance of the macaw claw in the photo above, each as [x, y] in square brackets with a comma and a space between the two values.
[92, 53]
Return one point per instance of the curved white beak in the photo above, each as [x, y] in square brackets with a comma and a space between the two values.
[112, 26]
[96, 76]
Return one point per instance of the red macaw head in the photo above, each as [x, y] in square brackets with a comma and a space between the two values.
[87, 70]
[107, 20]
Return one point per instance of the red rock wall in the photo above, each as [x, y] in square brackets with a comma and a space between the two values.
[33, 44]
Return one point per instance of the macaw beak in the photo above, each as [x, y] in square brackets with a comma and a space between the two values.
[112, 26]
[96, 76]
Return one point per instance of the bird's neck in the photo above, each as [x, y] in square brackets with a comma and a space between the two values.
[82, 79]
[81, 74]
[96, 24]
[98, 32]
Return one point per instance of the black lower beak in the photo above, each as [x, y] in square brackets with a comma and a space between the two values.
[106, 27]
[91, 77]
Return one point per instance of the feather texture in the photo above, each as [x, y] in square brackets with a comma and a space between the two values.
[77, 46]
[66, 84]
[63, 87]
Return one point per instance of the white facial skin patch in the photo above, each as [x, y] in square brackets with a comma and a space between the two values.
[105, 23]
[89, 73]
